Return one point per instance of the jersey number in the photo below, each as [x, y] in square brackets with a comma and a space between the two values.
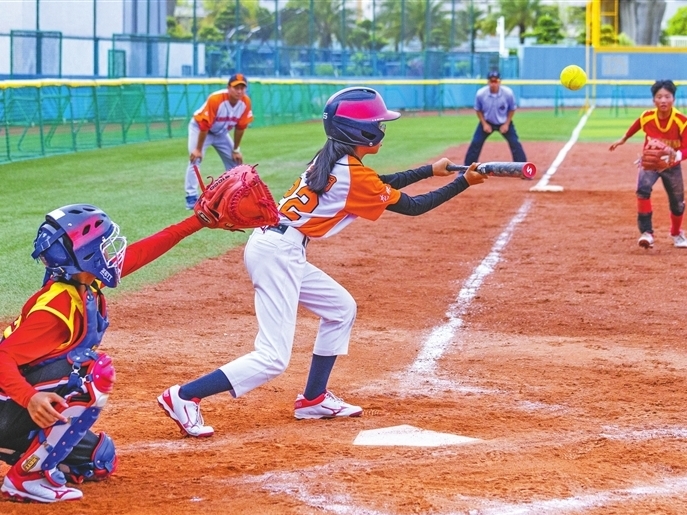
[301, 199]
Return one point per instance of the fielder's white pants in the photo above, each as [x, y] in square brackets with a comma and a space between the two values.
[282, 279]
[224, 146]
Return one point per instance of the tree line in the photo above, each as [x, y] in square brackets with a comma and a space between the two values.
[421, 24]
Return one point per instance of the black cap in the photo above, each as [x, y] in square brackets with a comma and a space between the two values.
[237, 79]
[494, 74]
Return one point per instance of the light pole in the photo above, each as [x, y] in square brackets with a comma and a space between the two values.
[39, 43]
[311, 36]
[472, 37]
[277, 65]
[195, 40]
[95, 39]
[403, 35]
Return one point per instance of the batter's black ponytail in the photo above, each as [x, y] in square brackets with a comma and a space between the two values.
[317, 176]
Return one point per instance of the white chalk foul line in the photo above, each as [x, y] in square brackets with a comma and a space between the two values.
[544, 181]
[305, 486]
[668, 488]
[441, 337]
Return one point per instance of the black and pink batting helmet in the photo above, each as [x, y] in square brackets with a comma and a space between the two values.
[354, 116]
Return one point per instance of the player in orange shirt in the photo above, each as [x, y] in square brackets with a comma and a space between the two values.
[210, 125]
[335, 189]
[53, 379]
[667, 124]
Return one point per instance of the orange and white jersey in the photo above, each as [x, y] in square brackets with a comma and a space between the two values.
[354, 190]
[217, 115]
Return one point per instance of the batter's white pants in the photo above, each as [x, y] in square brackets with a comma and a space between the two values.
[282, 279]
[224, 146]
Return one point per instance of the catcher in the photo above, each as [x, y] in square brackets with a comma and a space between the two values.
[665, 144]
[54, 381]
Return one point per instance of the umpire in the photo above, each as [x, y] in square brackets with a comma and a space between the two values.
[495, 107]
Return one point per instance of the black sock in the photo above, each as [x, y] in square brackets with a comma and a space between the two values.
[320, 368]
[210, 384]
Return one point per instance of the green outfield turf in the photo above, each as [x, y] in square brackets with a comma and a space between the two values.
[141, 185]
[606, 125]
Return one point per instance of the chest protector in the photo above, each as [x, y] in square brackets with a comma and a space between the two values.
[96, 323]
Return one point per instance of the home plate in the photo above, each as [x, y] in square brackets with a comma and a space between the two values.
[409, 436]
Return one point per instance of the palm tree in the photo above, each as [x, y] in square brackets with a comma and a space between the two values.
[390, 17]
[331, 19]
[469, 22]
[423, 20]
[522, 14]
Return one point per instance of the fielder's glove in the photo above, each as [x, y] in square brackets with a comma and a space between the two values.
[657, 156]
[237, 199]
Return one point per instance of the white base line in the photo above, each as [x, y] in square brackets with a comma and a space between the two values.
[441, 337]
[304, 486]
[674, 487]
[544, 181]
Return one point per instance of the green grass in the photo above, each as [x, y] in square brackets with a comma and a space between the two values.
[141, 185]
[604, 125]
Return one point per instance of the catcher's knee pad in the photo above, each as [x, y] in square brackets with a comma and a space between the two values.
[100, 378]
[53, 444]
[100, 464]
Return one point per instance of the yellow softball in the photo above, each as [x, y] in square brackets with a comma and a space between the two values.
[573, 77]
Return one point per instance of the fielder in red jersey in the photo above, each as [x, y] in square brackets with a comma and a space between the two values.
[53, 380]
[668, 125]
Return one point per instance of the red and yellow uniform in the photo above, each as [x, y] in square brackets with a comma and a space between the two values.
[52, 321]
[671, 132]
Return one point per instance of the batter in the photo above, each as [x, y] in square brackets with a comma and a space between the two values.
[335, 189]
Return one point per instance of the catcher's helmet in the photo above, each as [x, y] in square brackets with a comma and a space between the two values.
[353, 116]
[80, 238]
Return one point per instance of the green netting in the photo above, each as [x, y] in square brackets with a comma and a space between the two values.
[41, 118]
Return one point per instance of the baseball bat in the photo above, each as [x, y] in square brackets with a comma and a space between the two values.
[500, 169]
[200, 179]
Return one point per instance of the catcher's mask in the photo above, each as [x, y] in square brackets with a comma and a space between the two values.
[354, 116]
[80, 238]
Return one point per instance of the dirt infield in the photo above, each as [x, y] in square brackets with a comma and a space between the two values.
[564, 357]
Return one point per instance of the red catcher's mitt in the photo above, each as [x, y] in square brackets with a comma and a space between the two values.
[657, 156]
[237, 199]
